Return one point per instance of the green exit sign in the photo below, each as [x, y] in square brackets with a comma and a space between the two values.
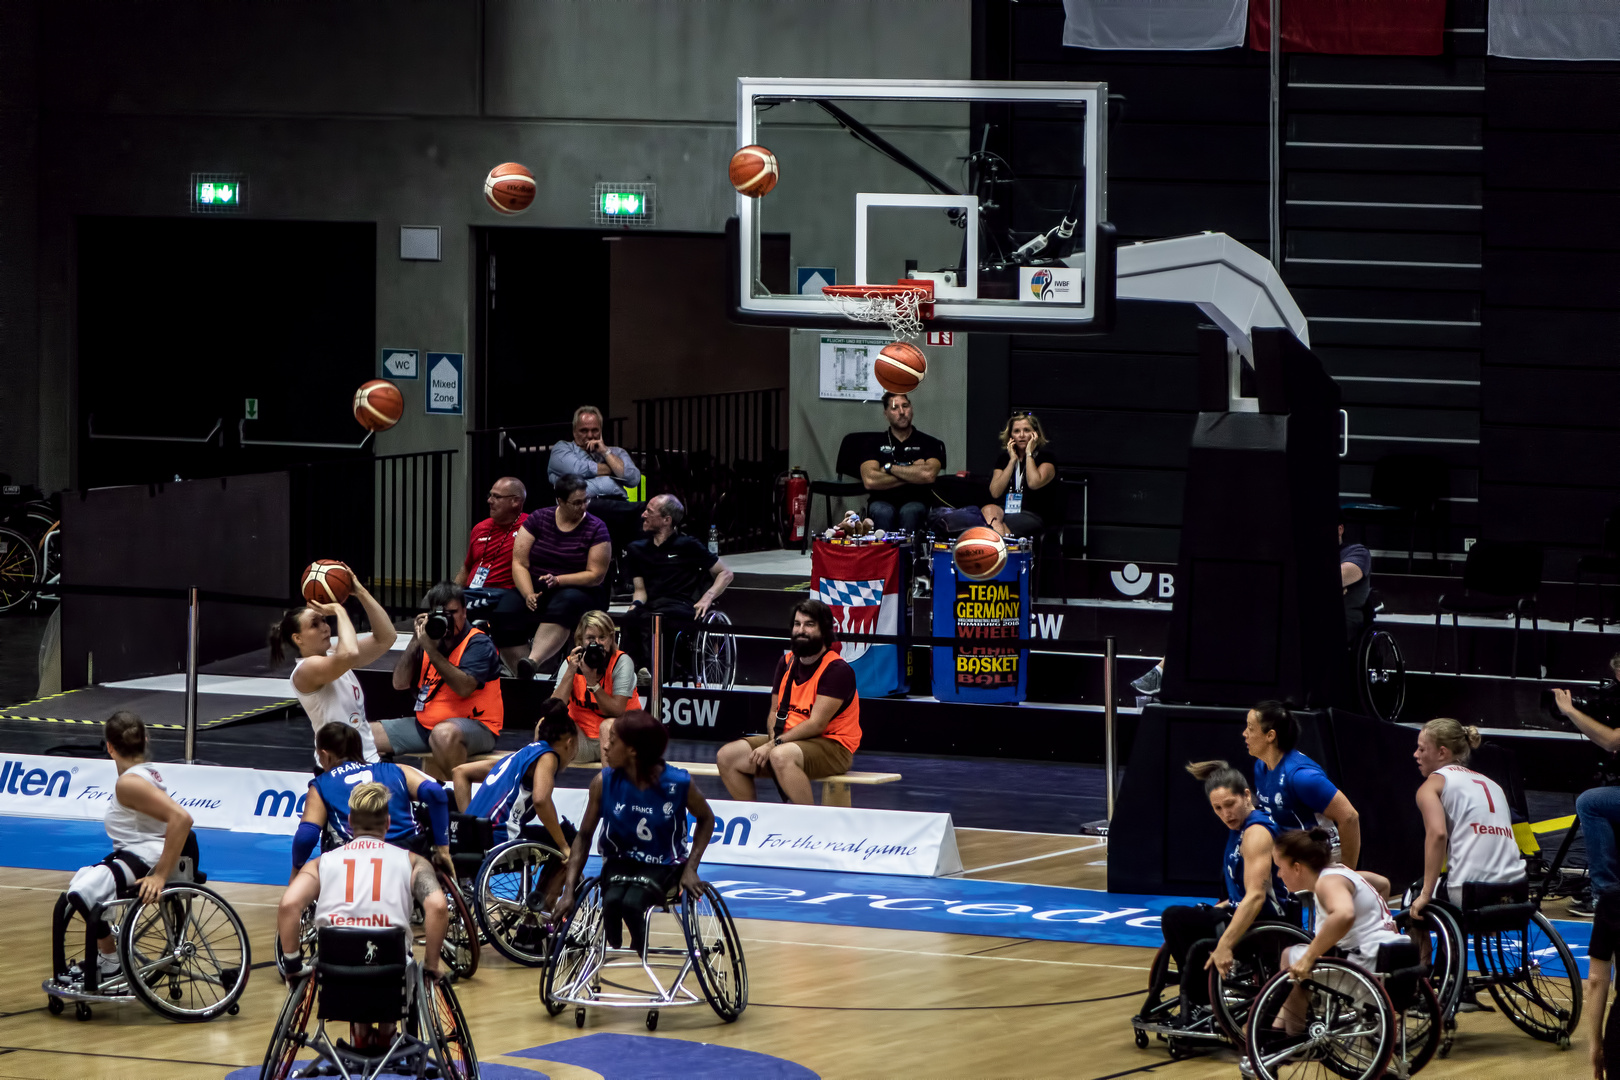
[624, 204]
[218, 193]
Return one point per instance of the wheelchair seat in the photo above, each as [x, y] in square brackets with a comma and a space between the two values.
[470, 840]
[360, 973]
[1496, 907]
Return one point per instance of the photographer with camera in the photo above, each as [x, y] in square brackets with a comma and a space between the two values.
[1597, 807]
[598, 681]
[456, 672]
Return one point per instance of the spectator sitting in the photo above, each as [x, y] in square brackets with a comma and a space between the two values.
[1023, 491]
[596, 696]
[458, 690]
[486, 572]
[667, 566]
[606, 470]
[814, 694]
[898, 468]
[558, 562]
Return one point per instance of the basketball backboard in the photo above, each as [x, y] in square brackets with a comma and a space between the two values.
[996, 192]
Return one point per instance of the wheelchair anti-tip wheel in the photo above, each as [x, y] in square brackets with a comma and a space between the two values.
[1257, 957]
[716, 951]
[577, 951]
[508, 896]
[1533, 979]
[1347, 1027]
[187, 956]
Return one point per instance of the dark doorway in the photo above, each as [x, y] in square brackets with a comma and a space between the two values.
[181, 321]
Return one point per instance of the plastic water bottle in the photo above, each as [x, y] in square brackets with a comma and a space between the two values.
[714, 539]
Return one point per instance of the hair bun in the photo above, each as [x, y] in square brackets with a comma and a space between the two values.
[1321, 835]
[1471, 733]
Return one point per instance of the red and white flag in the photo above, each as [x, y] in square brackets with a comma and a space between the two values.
[862, 586]
[1369, 27]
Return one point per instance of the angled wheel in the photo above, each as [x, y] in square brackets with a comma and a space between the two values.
[1443, 947]
[1257, 957]
[1419, 1026]
[1538, 984]
[1345, 1026]
[292, 1030]
[714, 653]
[577, 951]
[1381, 671]
[187, 956]
[19, 568]
[509, 899]
[460, 949]
[716, 950]
[451, 1037]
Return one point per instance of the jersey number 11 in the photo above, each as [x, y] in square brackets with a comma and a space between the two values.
[348, 880]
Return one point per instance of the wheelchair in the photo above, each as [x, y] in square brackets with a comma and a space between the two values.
[508, 882]
[1357, 1024]
[369, 976]
[185, 957]
[583, 965]
[1379, 665]
[1212, 1009]
[1518, 956]
[705, 656]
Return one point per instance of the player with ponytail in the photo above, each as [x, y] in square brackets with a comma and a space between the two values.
[1467, 824]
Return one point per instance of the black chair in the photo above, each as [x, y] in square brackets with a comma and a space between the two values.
[1406, 489]
[1606, 563]
[1498, 579]
[848, 463]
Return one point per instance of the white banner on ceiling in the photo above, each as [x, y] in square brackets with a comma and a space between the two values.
[1555, 29]
[1155, 24]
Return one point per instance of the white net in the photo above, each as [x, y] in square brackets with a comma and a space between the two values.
[900, 311]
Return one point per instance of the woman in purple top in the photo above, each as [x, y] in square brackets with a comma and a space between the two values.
[559, 560]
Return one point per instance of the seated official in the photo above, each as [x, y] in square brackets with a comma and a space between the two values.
[324, 677]
[667, 568]
[559, 562]
[898, 468]
[1023, 496]
[326, 807]
[517, 789]
[598, 681]
[814, 696]
[458, 689]
[608, 472]
[1355, 580]
[486, 571]
[365, 883]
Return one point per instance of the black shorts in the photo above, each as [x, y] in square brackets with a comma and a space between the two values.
[566, 604]
[510, 620]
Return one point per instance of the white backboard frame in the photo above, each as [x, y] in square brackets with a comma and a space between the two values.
[969, 204]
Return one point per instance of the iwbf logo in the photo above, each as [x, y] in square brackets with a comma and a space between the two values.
[16, 778]
[1133, 581]
[684, 711]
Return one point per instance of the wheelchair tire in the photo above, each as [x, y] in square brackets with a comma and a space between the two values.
[1256, 959]
[1338, 1036]
[292, 1030]
[714, 653]
[460, 948]
[501, 900]
[1447, 953]
[577, 949]
[716, 950]
[186, 957]
[19, 569]
[451, 1037]
[1381, 674]
[1537, 983]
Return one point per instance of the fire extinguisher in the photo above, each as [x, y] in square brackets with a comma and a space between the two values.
[796, 505]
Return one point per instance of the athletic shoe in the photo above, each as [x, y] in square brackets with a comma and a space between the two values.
[525, 669]
[1582, 907]
[1149, 684]
[643, 677]
[107, 964]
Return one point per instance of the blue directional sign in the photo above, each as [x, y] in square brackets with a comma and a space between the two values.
[444, 384]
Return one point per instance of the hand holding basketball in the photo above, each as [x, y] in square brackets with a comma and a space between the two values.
[378, 405]
[327, 581]
[980, 553]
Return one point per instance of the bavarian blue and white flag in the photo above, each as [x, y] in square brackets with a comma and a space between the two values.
[1555, 29]
[1155, 24]
[863, 585]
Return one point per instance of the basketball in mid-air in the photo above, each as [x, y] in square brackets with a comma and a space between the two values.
[326, 581]
[980, 553]
[509, 188]
[378, 405]
[753, 171]
[900, 367]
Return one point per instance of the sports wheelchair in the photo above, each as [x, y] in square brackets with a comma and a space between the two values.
[705, 656]
[368, 976]
[185, 957]
[1518, 956]
[1379, 666]
[586, 948]
[508, 883]
[1357, 1024]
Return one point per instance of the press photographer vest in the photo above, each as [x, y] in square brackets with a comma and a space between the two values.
[483, 705]
[845, 726]
[582, 704]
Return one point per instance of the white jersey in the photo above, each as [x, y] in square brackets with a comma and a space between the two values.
[130, 830]
[366, 882]
[1372, 925]
[339, 702]
[1482, 844]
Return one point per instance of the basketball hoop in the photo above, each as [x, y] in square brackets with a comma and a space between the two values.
[902, 306]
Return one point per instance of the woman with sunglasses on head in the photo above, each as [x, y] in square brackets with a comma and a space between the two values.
[1024, 488]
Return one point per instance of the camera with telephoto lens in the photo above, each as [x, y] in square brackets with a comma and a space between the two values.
[438, 624]
[1601, 703]
[595, 657]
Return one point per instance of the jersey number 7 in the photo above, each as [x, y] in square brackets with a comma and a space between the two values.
[1486, 788]
[348, 880]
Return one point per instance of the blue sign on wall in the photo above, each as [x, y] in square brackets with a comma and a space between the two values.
[444, 383]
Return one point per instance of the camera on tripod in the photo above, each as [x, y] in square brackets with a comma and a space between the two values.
[1601, 703]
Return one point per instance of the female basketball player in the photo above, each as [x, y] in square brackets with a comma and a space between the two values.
[517, 788]
[644, 845]
[1292, 787]
[324, 678]
[148, 830]
[1467, 825]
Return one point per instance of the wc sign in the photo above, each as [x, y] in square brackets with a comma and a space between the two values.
[1133, 581]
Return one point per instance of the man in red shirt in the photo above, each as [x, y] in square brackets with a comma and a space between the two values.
[486, 572]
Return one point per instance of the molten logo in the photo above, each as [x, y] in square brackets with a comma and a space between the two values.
[1131, 581]
[16, 778]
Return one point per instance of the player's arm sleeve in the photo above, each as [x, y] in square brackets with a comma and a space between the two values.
[1313, 788]
[304, 842]
[438, 805]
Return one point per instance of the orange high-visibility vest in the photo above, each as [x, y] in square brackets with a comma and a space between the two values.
[484, 705]
[845, 727]
[582, 703]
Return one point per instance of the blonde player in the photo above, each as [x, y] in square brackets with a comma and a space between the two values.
[1468, 827]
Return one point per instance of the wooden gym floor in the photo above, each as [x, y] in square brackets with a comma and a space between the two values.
[841, 1001]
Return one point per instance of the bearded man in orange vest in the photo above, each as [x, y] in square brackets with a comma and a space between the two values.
[456, 671]
[814, 726]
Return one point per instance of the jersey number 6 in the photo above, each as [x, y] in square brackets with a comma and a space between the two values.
[642, 831]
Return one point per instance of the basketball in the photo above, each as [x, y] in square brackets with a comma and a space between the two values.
[327, 581]
[900, 367]
[378, 405]
[753, 171]
[509, 188]
[980, 553]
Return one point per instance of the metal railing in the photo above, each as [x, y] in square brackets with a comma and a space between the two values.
[748, 425]
[521, 452]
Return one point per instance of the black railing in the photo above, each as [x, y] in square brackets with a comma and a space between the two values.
[521, 452]
[748, 425]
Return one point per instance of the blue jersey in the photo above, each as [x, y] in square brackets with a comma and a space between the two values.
[1235, 889]
[506, 797]
[336, 783]
[648, 826]
[1293, 793]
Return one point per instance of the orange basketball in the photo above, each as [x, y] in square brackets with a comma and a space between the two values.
[327, 581]
[509, 188]
[900, 367]
[753, 171]
[378, 405]
[980, 553]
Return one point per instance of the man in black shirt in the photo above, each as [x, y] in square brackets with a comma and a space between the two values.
[667, 568]
[899, 469]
